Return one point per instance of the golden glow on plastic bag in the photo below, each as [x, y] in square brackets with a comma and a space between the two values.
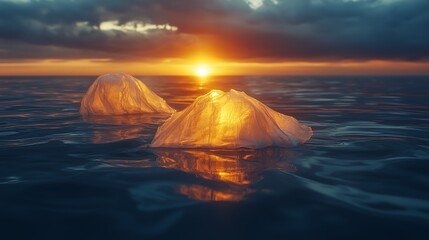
[229, 120]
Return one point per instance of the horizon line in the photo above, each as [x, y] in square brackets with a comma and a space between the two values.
[219, 75]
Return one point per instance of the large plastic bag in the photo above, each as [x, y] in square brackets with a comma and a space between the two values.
[120, 93]
[229, 120]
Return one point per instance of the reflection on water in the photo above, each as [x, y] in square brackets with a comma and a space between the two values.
[235, 170]
[115, 128]
[241, 167]
[203, 193]
[238, 167]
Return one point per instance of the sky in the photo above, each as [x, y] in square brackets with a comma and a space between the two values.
[232, 37]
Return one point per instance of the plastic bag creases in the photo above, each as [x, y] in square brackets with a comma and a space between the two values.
[229, 120]
[120, 93]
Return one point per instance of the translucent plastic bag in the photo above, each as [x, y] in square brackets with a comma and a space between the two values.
[229, 120]
[120, 93]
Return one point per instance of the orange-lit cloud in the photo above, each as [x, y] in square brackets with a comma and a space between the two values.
[270, 36]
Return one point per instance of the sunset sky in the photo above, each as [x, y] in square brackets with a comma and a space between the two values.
[232, 37]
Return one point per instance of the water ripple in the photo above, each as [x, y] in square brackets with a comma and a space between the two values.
[366, 166]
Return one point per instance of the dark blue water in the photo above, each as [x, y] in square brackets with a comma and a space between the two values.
[363, 175]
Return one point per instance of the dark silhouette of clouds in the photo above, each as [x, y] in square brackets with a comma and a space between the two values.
[277, 30]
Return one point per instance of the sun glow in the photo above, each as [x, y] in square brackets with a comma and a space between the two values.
[202, 70]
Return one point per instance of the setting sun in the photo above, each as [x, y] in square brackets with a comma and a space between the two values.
[202, 70]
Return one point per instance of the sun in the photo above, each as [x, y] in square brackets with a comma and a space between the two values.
[202, 70]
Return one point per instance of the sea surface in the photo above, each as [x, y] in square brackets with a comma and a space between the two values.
[363, 175]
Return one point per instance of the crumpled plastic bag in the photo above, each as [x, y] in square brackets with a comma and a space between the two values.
[229, 120]
[120, 93]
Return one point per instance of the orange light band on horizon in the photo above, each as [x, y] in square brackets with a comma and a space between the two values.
[183, 67]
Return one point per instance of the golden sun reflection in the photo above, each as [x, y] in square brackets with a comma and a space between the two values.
[233, 170]
[203, 193]
[237, 167]
[241, 167]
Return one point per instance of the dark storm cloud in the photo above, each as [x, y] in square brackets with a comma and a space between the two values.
[288, 29]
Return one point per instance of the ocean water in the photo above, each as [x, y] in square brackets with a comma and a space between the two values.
[363, 175]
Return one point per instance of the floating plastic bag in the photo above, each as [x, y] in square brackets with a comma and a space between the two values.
[229, 120]
[120, 93]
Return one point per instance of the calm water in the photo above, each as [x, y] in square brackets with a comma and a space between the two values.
[363, 175]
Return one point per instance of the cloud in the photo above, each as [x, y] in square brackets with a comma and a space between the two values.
[265, 30]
